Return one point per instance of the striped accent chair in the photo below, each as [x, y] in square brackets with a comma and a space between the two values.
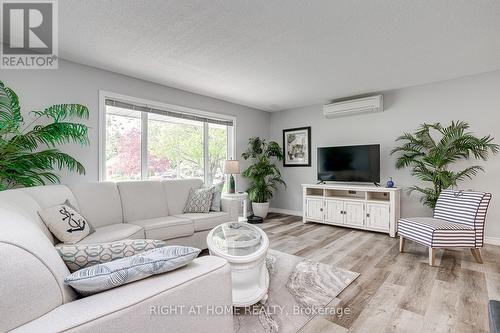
[458, 221]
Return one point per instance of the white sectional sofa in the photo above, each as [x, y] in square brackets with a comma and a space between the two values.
[35, 299]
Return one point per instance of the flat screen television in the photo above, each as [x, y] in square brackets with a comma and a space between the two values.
[349, 163]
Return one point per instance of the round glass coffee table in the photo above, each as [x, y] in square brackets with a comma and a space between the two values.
[244, 246]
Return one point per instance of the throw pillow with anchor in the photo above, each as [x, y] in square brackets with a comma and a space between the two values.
[67, 224]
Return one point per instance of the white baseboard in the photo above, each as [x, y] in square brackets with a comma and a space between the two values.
[492, 240]
[285, 211]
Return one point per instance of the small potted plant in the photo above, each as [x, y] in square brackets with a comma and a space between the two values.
[264, 174]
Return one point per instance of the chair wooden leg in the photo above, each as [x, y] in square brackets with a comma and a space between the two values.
[432, 256]
[476, 253]
[401, 244]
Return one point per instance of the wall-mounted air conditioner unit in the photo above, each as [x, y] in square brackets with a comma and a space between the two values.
[353, 106]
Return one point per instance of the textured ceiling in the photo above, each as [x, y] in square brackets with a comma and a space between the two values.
[278, 54]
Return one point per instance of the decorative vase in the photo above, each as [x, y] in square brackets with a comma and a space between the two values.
[260, 209]
[390, 183]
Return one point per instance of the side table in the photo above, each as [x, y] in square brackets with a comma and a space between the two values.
[242, 197]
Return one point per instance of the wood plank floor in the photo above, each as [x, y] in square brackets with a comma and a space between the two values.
[395, 292]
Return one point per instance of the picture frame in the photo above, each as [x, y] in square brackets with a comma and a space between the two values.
[297, 147]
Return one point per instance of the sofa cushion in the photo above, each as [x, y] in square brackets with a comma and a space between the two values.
[65, 223]
[51, 195]
[80, 256]
[142, 200]
[177, 192]
[436, 233]
[21, 202]
[106, 276]
[99, 202]
[114, 232]
[166, 227]
[206, 221]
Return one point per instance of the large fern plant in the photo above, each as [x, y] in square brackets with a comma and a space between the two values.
[263, 174]
[431, 151]
[28, 153]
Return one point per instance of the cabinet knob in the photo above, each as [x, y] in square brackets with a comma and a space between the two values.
[367, 214]
[321, 209]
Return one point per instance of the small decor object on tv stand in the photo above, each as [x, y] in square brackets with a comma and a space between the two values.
[390, 183]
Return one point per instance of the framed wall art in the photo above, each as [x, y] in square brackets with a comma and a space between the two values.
[297, 147]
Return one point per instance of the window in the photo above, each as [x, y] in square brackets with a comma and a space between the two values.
[175, 148]
[217, 154]
[162, 142]
[123, 144]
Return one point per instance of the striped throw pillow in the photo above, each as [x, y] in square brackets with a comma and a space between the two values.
[116, 273]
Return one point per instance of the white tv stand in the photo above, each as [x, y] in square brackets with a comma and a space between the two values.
[354, 206]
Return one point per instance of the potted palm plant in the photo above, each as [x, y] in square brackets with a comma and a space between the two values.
[28, 153]
[431, 151]
[264, 175]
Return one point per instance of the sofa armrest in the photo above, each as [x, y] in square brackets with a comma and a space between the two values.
[157, 304]
[232, 207]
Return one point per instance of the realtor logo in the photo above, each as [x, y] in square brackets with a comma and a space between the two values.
[29, 34]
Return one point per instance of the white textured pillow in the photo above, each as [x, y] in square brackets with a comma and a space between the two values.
[199, 200]
[216, 198]
[65, 223]
[78, 256]
[106, 276]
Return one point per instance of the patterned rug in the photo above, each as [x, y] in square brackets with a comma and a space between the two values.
[299, 289]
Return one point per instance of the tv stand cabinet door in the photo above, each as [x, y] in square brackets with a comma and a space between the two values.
[354, 213]
[314, 209]
[334, 211]
[378, 216]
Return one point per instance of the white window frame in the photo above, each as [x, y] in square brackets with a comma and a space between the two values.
[103, 95]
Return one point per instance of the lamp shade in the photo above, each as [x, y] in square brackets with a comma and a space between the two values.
[232, 167]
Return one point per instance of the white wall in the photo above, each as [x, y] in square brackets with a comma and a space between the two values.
[475, 100]
[75, 83]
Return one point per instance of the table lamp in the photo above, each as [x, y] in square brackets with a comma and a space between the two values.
[231, 167]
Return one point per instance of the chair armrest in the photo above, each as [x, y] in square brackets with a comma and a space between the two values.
[148, 305]
[232, 207]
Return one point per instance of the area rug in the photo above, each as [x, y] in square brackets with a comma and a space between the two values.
[299, 289]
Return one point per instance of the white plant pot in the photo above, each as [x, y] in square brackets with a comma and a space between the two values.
[260, 209]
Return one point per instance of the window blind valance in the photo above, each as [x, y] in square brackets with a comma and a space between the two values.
[168, 113]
